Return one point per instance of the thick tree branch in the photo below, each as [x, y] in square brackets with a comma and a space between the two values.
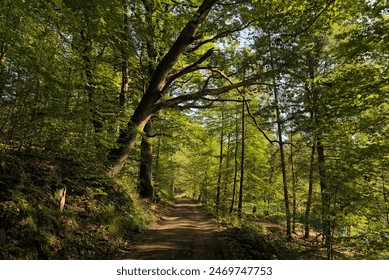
[184, 39]
[223, 100]
[188, 68]
[173, 102]
[159, 134]
[261, 75]
[194, 106]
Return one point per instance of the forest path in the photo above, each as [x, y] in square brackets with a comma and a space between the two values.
[185, 232]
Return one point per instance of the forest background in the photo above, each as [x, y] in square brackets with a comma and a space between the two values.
[271, 111]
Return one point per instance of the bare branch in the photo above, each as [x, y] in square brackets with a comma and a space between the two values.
[221, 73]
[248, 110]
[194, 106]
[222, 100]
[173, 102]
[159, 134]
[207, 82]
[257, 125]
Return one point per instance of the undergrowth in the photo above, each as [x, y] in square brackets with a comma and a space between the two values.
[98, 222]
[264, 238]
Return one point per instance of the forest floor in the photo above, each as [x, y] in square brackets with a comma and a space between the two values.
[185, 231]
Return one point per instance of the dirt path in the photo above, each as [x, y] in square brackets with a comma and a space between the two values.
[185, 232]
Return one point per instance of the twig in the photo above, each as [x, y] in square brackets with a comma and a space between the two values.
[312, 22]
[248, 110]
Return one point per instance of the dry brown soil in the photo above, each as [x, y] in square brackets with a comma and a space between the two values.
[184, 232]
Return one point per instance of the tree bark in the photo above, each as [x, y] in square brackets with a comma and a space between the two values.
[240, 200]
[145, 187]
[217, 201]
[325, 199]
[283, 166]
[281, 145]
[226, 175]
[3, 60]
[310, 192]
[203, 189]
[157, 158]
[294, 183]
[385, 195]
[314, 102]
[235, 162]
[124, 58]
[89, 76]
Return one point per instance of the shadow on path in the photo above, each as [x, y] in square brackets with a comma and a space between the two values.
[184, 233]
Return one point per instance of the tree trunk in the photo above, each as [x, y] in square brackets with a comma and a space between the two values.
[217, 201]
[235, 162]
[325, 199]
[313, 100]
[226, 175]
[203, 189]
[90, 84]
[124, 58]
[3, 60]
[240, 201]
[281, 145]
[156, 169]
[126, 142]
[145, 187]
[294, 183]
[310, 192]
[385, 194]
[283, 164]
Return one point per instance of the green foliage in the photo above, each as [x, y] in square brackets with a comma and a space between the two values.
[61, 67]
[116, 223]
